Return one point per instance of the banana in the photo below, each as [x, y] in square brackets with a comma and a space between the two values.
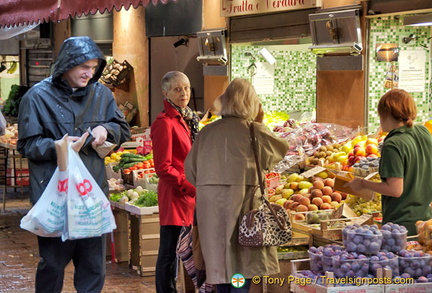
[12, 68]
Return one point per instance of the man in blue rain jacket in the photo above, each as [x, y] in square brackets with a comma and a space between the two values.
[70, 101]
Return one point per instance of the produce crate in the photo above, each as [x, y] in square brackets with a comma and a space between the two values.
[134, 179]
[141, 210]
[144, 237]
[110, 172]
[117, 205]
[300, 284]
[285, 270]
[121, 235]
[328, 229]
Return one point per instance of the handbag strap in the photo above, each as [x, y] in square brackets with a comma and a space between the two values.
[260, 179]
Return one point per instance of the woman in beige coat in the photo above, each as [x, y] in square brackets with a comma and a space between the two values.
[221, 165]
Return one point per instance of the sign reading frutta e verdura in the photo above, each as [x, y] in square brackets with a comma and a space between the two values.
[244, 7]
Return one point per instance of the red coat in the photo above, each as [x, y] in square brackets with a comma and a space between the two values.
[171, 141]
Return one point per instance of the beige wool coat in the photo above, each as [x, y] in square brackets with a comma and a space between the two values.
[222, 167]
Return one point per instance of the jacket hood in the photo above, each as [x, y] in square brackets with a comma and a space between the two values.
[75, 51]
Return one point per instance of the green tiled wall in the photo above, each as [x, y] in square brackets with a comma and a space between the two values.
[295, 70]
[295, 76]
[390, 29]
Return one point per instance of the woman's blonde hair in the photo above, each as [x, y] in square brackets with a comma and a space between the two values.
[239, 99]
[400, 105]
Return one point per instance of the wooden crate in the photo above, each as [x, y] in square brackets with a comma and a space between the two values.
[144, 239]
[327, 229]
[121, 235]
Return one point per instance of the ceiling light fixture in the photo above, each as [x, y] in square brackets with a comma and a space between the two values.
[418, 20]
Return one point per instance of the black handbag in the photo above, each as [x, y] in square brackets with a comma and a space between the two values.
[269, 224]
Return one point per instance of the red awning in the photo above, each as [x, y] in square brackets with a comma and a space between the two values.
[21, 12]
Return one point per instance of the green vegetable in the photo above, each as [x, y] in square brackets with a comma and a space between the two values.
[116, 196]
[147, 198]
[130, 155]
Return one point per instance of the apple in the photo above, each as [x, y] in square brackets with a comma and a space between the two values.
[359, 158]
[372, 156]
[371, 149]
[359, 151]
[371, 140]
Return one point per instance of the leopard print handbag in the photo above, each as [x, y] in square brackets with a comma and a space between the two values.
[269, 224]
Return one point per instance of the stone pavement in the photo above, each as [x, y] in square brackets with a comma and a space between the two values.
[19, 256]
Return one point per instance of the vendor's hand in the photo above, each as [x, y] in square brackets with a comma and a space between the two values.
[260, 116]
[78, 142]
[100, 135]
[355, 184]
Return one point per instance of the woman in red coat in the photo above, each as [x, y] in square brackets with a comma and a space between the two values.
[172, 134]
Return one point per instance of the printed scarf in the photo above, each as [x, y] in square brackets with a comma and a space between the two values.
[190, 117]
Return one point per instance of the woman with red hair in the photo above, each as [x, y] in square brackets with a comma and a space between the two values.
[405, 165]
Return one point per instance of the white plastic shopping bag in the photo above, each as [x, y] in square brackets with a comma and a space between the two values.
[89, 212]
[73, 206]
[46, 218]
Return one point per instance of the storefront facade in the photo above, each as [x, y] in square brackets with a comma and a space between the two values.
[340, 88]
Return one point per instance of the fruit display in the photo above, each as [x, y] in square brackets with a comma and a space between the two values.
[361, 152]
[137, 196]
[129, 162]
[11, 135]
[362, 206]
[115, 184]
[424, 229]
[365, 239]
[315, 217]
[384, 260]
[301, 194]
[415, 263]
[321, 257]
[394, 237]
[350, 264]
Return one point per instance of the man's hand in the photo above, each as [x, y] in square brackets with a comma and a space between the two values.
[100, 135]
[78, 142]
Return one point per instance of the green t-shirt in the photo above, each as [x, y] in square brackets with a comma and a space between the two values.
[407, 154]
